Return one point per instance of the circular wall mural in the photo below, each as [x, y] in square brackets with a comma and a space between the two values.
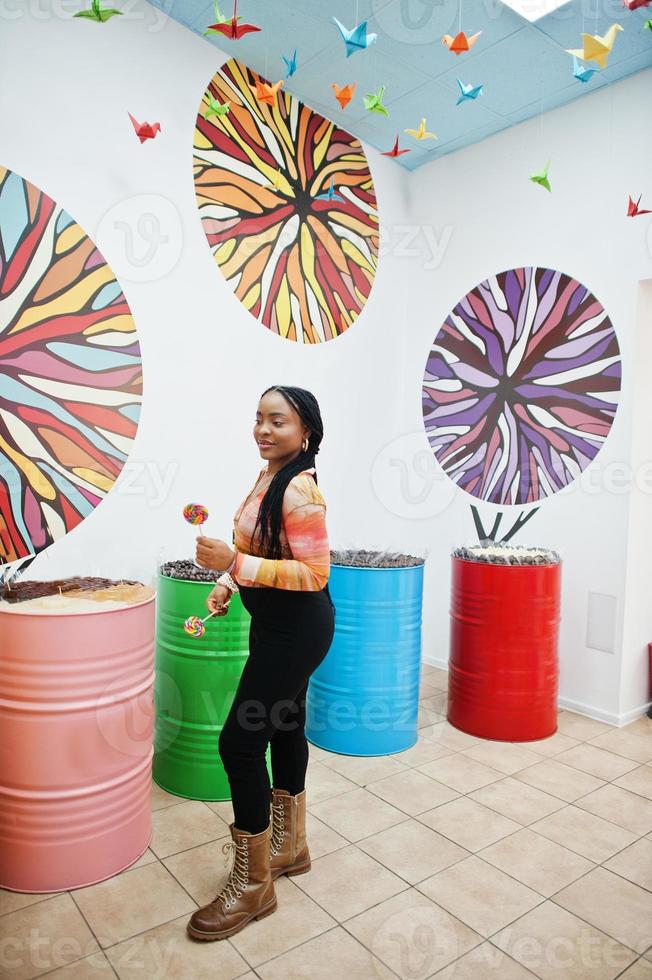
[71, 372]
[521, 385]
[287, 204]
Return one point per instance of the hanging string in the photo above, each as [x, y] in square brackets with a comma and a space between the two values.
[459, 25]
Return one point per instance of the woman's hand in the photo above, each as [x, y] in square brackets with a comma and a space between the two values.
[213, 553]
[217, 601]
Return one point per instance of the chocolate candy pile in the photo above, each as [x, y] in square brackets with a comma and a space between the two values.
[374, 559]
[505, 554]
[21, 591]
[185, 568]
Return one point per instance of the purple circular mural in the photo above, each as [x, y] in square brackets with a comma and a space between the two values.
[521, 385]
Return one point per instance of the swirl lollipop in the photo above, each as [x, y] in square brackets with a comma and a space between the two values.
[194, 626]
[195, 514]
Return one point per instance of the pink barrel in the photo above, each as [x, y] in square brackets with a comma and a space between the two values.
[76, 745]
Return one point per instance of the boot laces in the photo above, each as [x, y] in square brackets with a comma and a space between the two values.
[239, 874]
[278, 829]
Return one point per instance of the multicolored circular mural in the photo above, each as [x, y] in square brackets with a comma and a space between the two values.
[521, 385]
[70, 367]
[288, 206]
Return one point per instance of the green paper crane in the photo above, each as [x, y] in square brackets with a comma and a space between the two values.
[219, 19]
[96, 12]
[216, 108]
[541, 177]
[373, 102]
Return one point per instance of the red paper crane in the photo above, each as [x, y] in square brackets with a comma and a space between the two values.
[395, 152]
[633, 4]
[231, 28]
[145, 131]
[633, 208]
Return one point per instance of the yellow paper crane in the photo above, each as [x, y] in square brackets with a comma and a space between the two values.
[597, 48]
[420, 133]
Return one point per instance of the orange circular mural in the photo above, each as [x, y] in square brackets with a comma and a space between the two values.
[287, 204]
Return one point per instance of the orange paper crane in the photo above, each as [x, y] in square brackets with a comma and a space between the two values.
[460, 42]
[344, 94]
[145, 131]
[633, 208]
[265, 92]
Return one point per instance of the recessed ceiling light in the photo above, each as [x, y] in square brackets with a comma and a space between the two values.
[534, 9]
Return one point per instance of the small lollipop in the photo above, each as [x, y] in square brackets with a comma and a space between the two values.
[194, 626]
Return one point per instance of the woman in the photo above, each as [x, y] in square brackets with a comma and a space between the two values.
[281, 564]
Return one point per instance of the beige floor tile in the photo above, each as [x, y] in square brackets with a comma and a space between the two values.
[365, 769]
[201, 870]
[296, 920]
[357, 814]
[556, 945]
[429, 716]
[322, 839]
[421, 752]
[176, 828]
[584, 832]
[485, 962]
[641, 970]
[42, 937]
[409, 924]
[621, 807]
[348, 881]
[429, 687]
[580, 726]
[167, 952]
[483, 897]
[640, 726]
[412, 850]
[146, 858]
[224, 810]
[132, 902]
[317, 754]
[634, 863]
[504, 757]
[517, 800]
[539, 863]
[610, 903]
[322, 783]
[637, 781]
[468, 823]
[12, 901]
[333, 954]
[94, 967]
[552, 745]
[445, 734]
[559, 780]
[161, 798]
[623, 742]
[597, 762]
[460, 773]
[437, 702]
[412, 791]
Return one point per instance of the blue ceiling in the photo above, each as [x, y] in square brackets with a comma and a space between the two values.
[522, 65]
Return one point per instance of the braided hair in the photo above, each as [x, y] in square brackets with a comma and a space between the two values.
[270, 515]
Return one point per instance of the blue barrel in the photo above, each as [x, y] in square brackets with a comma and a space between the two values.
[363, 699]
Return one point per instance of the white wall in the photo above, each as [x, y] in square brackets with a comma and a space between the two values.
[65, 88]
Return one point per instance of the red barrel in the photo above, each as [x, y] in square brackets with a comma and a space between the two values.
[504, 669]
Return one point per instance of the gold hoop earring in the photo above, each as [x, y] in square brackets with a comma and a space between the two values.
[304, 447]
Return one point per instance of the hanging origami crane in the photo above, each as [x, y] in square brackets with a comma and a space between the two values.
[395, 152]
[216, 108]
[330, 194]
[218, 19]
[541, 177]
[648, 25]
[231, 28]
[265, 92]
[373, 102]
[344, 94]
[356, 39]
[597, 48]
[145, 131]
[460, 42]
[635, 4]
[633, 209]
[468, 91]
[420, 133]
[97, 13]
[582, 72]
[290, 64]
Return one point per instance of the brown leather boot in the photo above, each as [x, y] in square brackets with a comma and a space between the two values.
[248, 893]
[289, 853]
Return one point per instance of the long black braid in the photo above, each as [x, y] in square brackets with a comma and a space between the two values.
[270, 516]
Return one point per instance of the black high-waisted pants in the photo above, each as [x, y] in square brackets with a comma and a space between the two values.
[289, 636]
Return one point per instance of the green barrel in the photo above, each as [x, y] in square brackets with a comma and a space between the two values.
[195, 681]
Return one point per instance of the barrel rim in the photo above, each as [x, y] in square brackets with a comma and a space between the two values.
[67, 615]
[498, 564]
